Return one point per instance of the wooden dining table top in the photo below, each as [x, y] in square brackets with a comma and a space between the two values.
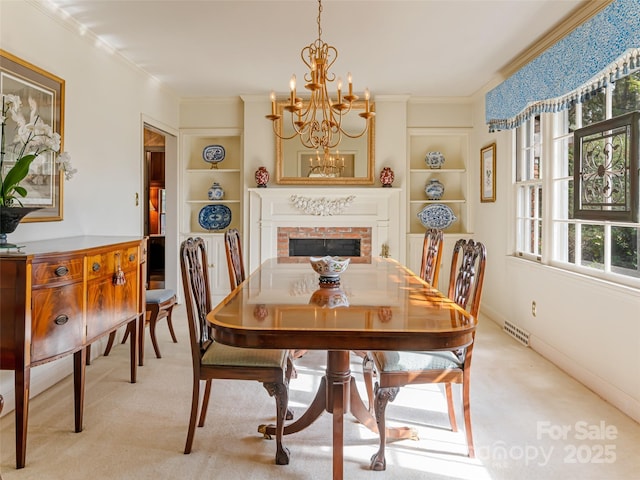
[378, 306]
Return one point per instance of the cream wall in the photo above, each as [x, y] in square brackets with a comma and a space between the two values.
[106, 101]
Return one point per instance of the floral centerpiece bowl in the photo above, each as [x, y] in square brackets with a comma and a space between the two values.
[329, 268]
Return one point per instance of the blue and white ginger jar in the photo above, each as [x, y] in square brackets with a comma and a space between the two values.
[216, 192]
[434, 189]
[434, 159]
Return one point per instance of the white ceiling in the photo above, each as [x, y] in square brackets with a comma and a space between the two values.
[219, 48]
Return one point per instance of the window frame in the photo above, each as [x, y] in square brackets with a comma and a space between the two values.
[556, 220]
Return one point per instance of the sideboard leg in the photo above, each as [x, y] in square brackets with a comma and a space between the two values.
[79, 364]
[22, 382]
[135, 331]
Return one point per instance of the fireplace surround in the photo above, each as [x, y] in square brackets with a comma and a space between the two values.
[371, 215]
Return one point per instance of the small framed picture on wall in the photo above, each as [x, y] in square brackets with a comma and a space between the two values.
[488, 173]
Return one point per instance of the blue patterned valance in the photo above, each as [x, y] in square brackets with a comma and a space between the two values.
[603, 49]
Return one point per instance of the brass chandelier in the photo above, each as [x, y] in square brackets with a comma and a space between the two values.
[318, 122]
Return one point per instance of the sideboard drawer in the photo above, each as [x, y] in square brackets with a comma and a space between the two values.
[57, 325]
[57, 270]
[101, 264]
[130, 258]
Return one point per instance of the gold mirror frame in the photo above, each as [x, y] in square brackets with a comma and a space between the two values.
[364, 143]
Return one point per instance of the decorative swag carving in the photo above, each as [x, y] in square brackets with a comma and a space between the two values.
[321, 206]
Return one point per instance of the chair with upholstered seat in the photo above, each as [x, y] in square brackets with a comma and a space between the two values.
[398, 369]
[159, 304]
[235, 265]
[214, 360]
[429, 272]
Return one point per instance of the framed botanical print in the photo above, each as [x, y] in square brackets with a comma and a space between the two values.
[43, 92]
[488, 173]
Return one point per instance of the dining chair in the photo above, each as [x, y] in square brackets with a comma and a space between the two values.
[214, 360]
[235, 265]
[429, 272]
[397, 369]
[159, 304]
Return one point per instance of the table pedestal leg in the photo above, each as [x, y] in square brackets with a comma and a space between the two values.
[338, 394]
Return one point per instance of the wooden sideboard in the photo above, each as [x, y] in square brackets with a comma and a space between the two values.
[56, 298]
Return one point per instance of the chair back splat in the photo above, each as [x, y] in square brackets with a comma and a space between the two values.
[467, 275]
[235, 262]
[197, 298]
[431, 256]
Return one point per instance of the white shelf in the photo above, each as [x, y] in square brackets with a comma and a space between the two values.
[209, 202]
[453, 143]
[427, 171]
[444, 200]
[212, 170]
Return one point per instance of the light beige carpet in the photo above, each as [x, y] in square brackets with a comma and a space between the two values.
[137, 431]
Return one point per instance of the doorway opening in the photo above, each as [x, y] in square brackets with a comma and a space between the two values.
[155, 210]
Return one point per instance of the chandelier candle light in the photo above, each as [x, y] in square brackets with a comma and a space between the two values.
[318, 122]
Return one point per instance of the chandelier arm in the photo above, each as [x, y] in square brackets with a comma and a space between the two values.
[283, 137]
[318, 122]
[358, 135]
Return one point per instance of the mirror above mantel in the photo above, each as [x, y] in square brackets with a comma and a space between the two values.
[351, 163]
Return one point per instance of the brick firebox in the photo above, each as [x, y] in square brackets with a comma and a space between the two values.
[286, 233]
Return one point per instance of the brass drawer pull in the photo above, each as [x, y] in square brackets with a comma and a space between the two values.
[61, 271]
[132, 257]
[61, 319]
[95, 267]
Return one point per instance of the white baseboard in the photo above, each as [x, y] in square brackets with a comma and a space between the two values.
[612, 394]
[616, 397]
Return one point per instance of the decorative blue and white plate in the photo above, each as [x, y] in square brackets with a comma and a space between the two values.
[438, 216]
[214, 217]
[213, 154]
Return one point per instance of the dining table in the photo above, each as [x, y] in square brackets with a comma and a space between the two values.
[381, 305]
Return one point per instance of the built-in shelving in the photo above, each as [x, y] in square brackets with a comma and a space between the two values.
[197, 178]
[453, 143]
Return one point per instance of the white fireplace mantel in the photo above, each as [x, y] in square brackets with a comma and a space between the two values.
[377, 208]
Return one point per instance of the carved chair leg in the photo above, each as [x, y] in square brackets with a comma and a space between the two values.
[125, 337]
[195, 401]
[382, 398]
[170, 325]
[290, 370]
[112, 338]
[281, 392]
[154, 339]
[205, 403]
[367, 372]
[467, 415]
[452, 413]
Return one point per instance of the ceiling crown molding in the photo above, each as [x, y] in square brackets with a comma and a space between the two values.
[576, 18]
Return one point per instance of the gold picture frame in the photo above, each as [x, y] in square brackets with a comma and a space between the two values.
[488, 173]
[362, 149]
[44, 183]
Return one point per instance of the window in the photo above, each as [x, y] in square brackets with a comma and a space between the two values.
[529, 188]
[544, 164]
